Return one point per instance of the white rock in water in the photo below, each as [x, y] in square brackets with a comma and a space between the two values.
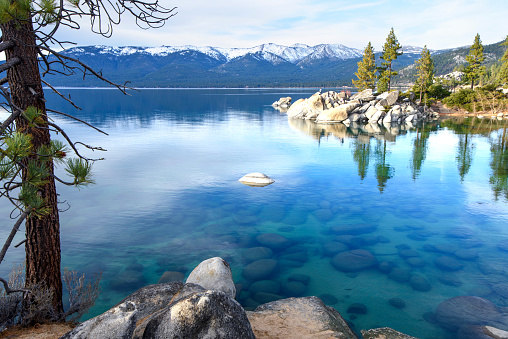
[256, 179]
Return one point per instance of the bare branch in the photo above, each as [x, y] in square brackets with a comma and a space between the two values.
[21, 243]
[13, 233]
[9, 291]
[4, 45]
[61, 95]
[123, 88]
[9, 63]
[83, 122]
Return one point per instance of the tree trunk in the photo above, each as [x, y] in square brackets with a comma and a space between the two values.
[43, 234]
[389, 75]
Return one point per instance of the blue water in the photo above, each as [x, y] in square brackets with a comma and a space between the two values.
[167, 197]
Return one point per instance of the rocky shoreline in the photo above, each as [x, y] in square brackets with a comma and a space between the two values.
[365, 107]
[205, 307]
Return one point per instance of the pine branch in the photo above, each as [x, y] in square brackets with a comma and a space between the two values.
[60, 130]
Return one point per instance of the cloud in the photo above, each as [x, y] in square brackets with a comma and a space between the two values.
[437, 24]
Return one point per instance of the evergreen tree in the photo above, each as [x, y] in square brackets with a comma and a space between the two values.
[390, 53]
[366, 73]
[503, 72]
[474, 69]
[425, 75]
[28, 155]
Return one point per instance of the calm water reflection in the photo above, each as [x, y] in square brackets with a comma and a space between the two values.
[428, 202]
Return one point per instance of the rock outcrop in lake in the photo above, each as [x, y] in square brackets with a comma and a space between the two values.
[363, 107]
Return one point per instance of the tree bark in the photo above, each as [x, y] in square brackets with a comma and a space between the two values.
[43, 234]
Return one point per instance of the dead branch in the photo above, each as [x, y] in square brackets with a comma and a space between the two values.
[8, 290]
[60, 94]
[13, 233]
[79, 120]
[9, 63]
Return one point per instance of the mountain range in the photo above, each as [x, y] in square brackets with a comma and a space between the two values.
[267, 65]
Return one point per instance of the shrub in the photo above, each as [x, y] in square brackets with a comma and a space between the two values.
[461, 99]
[438, 91]
[36, 305]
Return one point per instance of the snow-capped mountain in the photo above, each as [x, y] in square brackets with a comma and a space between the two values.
[293, 54]
[269, 65]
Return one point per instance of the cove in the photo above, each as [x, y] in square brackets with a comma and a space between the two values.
[428, 203]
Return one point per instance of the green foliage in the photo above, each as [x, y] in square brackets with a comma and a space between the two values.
[81, 171]
[17, 153]
[17, 9]
[382, 85]
[503, 71]
[19, 146]
[30, 198]
[461, 99]
[474, 69]
[390, 53]
[425, 77]
[486, 98]
[43, 12]
[366, 73]
[438, 91]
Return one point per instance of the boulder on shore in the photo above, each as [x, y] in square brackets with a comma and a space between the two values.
[214, 274]
[175, 310]
[306, 317]
[282, 102]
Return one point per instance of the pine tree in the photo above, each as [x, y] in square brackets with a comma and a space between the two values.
[474, 69]
[366, 73]
[390, 53]
[425, 75]
[27, 153]
[503, 72]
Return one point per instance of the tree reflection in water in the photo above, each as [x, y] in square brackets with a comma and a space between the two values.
[466, 129]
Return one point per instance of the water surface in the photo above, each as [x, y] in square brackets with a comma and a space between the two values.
[167, 197]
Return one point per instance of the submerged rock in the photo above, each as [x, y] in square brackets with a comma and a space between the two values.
[259, 269]
[397, 302]
[353, 261]
[274, 241]
[256, 180]
[357, 308]
[170, 276]
[467, 310]
[257, 253]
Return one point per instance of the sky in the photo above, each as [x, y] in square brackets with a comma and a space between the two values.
[439, 24]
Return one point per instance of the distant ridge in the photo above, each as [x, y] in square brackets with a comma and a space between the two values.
[266, 65]
[292, 54]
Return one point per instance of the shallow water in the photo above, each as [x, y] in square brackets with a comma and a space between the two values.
[427, 202]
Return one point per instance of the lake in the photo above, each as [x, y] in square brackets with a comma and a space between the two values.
[429, 203]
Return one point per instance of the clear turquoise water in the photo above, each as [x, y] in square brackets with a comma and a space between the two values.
[167, 197]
